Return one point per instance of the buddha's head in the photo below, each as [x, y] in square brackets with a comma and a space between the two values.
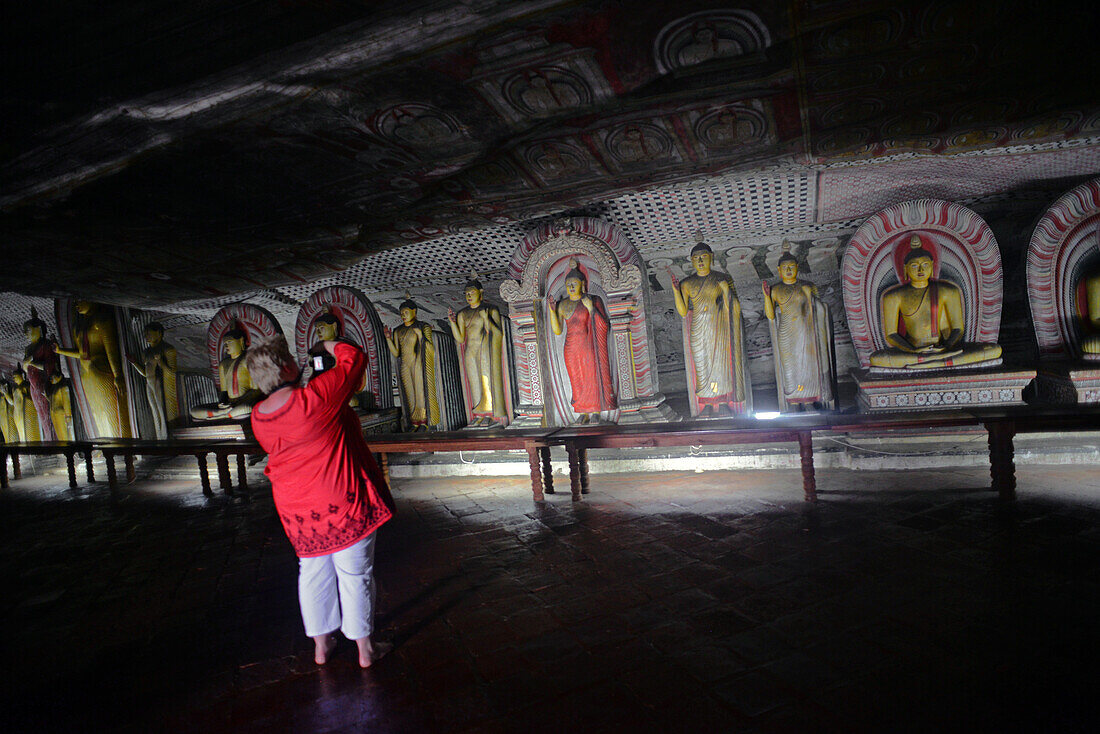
[17, 376]
[56, 378]
[408, 310]
[34, 328]
[327, 327]
[154, 333]
[702, 258]
[473, 292]
[918, 263]
[575, 282]
[83, 307]
[235, 342]
[788, 265]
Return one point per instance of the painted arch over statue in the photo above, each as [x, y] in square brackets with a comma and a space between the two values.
[594, 355]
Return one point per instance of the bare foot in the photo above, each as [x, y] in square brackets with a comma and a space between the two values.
[369, 652]
[323, 647]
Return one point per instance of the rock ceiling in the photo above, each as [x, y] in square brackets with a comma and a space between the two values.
[160, 153]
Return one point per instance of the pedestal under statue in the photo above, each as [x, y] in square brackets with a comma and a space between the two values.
[478, 330]
[412, 346]
[158, 367]
[1063, 288]
[714, 343]
[802, 339]
[585, 321]
[98, 362]
[922, 290]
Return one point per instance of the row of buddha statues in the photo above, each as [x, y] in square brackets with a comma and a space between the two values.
[922, 295]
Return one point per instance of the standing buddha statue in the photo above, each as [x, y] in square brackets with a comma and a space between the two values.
[7, 413]
[61, 408]
[477, 330]
[801, 328]
[158, 367]
[100, 363]
[584, 319]
[411, 344]
[25, 411]
[715, 344]
[40, 363]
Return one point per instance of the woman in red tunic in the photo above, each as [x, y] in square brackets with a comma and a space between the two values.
[328, 490]
[586, 326]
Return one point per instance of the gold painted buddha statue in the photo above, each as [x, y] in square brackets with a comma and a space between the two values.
[158, 367]
[923, 321]
[237, 395]
[100, 363]
[327, 329]
[477, 330]
[61, 408]
[1090, 345]
[411, 344]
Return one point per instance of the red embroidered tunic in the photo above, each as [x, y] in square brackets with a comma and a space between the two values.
[327, 487]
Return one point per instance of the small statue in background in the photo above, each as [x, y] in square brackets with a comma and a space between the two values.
[237, 394]
[7, 413]
[586, 323]
[40, 363]
[61, 408]
[158, 367]
[715, 346]
[101, 378]
[801, 329]
[411, 344]
[477, 330]
[24, 410]
[1090, 345]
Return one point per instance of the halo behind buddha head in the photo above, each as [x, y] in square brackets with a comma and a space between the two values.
[787, 256]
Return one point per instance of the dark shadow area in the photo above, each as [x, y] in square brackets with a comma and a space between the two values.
[663, 602]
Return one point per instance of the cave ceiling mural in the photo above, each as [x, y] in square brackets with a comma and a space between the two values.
[160, 154]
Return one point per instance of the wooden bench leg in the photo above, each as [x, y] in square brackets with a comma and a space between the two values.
[112, 478]
[4, 470]
[88, 466]
[806, 453]
[204, 475]
[574, 470]
[16, 471]
[70, 463]
[384, 460]
[242, 475]
[582, 465]
[1001, 453]
[225, 480]
[547, 470]
[128, 460]
[536, 473]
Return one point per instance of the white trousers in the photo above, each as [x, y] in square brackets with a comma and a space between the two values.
[337, 591]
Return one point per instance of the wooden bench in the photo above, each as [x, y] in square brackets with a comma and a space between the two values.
[532, 440]
[68, 449]
[1001, 424]
[199, 448]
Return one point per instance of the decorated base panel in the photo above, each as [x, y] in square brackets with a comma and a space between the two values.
[1068, 383]
[941, 391]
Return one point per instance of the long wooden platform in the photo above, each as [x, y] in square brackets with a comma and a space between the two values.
[1002, 425]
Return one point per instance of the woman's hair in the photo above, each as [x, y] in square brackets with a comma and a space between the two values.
[266, 360]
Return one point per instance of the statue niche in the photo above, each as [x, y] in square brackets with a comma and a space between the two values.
[231, 331]
[96, 367]
[1063, 287]
[922, 290]
[340, 312]
[581, 335]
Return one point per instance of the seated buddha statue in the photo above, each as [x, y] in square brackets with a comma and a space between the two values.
[1090, 344]
[237, 394]
[923, 321]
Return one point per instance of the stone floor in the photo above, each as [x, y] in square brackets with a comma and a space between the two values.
[676, 602]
